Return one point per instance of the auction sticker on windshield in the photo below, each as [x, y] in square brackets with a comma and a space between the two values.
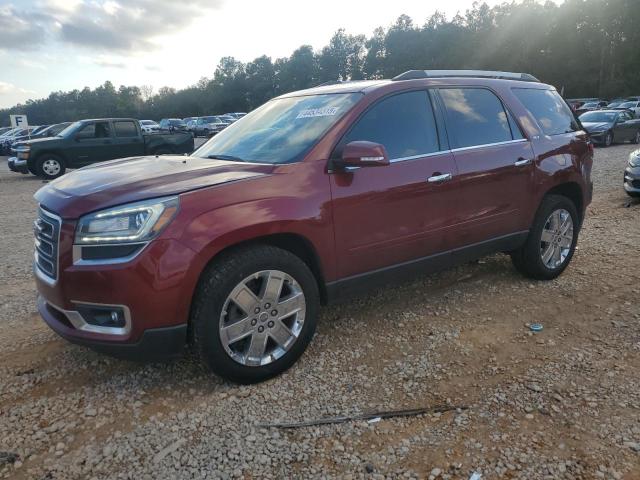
[318, 112]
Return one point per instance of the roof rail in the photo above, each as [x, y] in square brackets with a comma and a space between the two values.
[330, 82]
[415, 74]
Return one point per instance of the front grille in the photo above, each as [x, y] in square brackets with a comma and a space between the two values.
[46, 230]
[635, 183]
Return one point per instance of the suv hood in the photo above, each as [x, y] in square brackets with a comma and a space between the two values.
[130, 179]
[37, 141]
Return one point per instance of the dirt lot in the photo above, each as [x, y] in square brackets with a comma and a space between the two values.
[563, 403]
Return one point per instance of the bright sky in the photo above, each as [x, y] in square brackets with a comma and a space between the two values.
[49, 45]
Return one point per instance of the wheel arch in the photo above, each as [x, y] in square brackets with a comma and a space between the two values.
[573, 191]
[57, 153]
[294, 243]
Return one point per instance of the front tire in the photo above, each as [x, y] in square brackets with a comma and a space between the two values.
[608, 139]
[551, 241]
[254, 313]
[50, 166]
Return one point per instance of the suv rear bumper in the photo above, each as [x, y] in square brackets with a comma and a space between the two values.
[154, 344]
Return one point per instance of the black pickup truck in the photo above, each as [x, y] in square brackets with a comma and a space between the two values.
[90, 141]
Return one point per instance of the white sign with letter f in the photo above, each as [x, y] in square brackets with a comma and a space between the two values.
[19, 121]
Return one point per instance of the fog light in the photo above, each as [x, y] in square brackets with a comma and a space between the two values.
[111, 317]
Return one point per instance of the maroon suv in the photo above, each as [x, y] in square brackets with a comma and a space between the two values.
[312, 195]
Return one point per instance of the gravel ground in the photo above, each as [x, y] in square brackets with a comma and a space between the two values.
[563, 403]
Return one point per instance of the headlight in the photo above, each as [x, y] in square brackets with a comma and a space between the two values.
[634, 159]
[135, 222]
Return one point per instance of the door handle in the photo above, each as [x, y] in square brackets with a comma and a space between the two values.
[440, 178]
[522, 162]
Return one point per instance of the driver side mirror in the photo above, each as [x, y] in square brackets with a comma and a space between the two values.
[363, 154]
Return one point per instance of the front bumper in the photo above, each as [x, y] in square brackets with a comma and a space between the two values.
[632, 180]
[154, 288]
[154, 343]
[16, 165]
[598, 137]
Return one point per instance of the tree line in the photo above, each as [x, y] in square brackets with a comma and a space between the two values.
[585, 48]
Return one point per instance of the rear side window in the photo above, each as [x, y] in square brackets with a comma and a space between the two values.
[475, 116]
[549, 109]
[94, 130]
[403, 123]
[125, 129]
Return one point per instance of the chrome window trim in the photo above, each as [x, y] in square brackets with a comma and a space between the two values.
[39, 273]
[415, 157]
[485, 145]
[79, 323]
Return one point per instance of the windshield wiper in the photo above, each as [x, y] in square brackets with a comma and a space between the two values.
[225, 157]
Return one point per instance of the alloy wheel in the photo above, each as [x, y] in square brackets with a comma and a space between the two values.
[262, 318]
[556, 238]
[51, 167]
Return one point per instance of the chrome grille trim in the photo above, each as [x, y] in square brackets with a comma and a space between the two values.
[46, 230]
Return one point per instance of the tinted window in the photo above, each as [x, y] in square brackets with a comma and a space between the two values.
[475, 116]
[95, 130]
[403, 123]
[125, 129]
[549, 109]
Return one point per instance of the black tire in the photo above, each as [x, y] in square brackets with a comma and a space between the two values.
[46, 166]
[636, 138]
[608, 139]
[528, 259]
[216, 284]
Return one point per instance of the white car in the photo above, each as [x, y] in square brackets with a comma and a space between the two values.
[149, 126]
[634, 106]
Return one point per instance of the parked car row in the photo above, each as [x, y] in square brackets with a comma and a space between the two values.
[90, 141]
[12, 137]
[581, 106]
[211, 125]
[206, 126]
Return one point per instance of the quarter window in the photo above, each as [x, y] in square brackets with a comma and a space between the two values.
[403, 123]
[125, 129]
[475, 116]
[549, 109]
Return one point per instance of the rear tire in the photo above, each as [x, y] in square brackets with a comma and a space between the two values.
[548, 248]
[50, 166]
[636, 138]
[242, 277]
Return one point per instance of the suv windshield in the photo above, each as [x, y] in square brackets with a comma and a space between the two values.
[607, 117]
[281, 131]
